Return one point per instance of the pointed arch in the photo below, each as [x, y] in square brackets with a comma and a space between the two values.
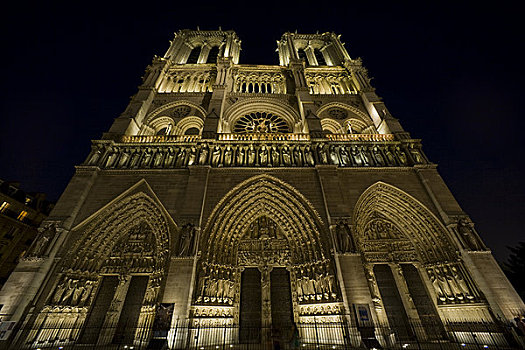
[410, 219]
[111, 224]
[264, 195]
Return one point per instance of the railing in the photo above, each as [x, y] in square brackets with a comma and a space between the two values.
[160, 138]
[360, 137]
[263, 137]
[186, 334]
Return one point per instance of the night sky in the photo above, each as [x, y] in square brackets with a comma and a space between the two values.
[452, 74]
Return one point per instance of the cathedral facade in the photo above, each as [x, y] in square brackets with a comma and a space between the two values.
[233, 205]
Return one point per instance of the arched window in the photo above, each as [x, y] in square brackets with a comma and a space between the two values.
[302, 55]
[192, 131]
[319, 57]
[213, 54]
[194, 55]
[164, 131]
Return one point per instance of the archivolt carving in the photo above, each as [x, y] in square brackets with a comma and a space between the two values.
[269, 196]
[405, 214]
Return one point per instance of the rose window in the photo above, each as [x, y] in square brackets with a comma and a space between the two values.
[261, 123]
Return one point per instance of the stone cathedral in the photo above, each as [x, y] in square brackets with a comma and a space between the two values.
[257, 206]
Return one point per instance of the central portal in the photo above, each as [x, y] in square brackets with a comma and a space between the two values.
[266, 300]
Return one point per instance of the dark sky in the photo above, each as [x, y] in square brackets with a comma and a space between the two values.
[452, 73]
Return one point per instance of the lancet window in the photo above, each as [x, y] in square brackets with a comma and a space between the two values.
[213, 54]
[194, 55]
[319, 57]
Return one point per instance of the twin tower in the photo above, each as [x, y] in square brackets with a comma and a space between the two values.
[249, 206]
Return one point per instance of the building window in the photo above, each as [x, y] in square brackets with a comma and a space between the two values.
[319, 57]
[213, 54]
[194, 55]
[3, 206]
[22, 215]
[302, 55]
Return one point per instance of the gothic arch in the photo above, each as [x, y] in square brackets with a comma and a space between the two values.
[188, 123]
[264, 195]
[332, 126]
[356, 111]
[160, 110]
[413, 220]
[129, 236]
[110, 225]
[261, 104]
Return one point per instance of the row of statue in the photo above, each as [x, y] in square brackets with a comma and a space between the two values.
[315, 282]
[252, 155]
[216, 285]
[449, 283]
[72, 292]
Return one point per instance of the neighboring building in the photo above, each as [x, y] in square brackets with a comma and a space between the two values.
[20, 216]
[231, 201]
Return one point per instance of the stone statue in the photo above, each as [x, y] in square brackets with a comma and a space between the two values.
[47, 234]
[344, 239]
[228, 156]
[433, 279]
[275, 156]
[297, 156]
[356, 156]
[345, 157]
[96, 153]
[443, 284]
[241, 151]
[124, 156]
[287, 161]
[364, 155]
[321, 152]
[192, 156]
[334, 159]
[185, 240]
[251, 155]
[157, 159]
[146, 158]
[170, 156]
[308, 156]
[263, 155]
[416, 155]
[181, 158]
[401, 155]
[134, 162]
[203, 156]
[390, 159]
[461, 282]
[377, 156]
[467, 235]
[216, 156]
[113, 154]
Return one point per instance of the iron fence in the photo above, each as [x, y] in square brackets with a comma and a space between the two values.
[308, 336]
